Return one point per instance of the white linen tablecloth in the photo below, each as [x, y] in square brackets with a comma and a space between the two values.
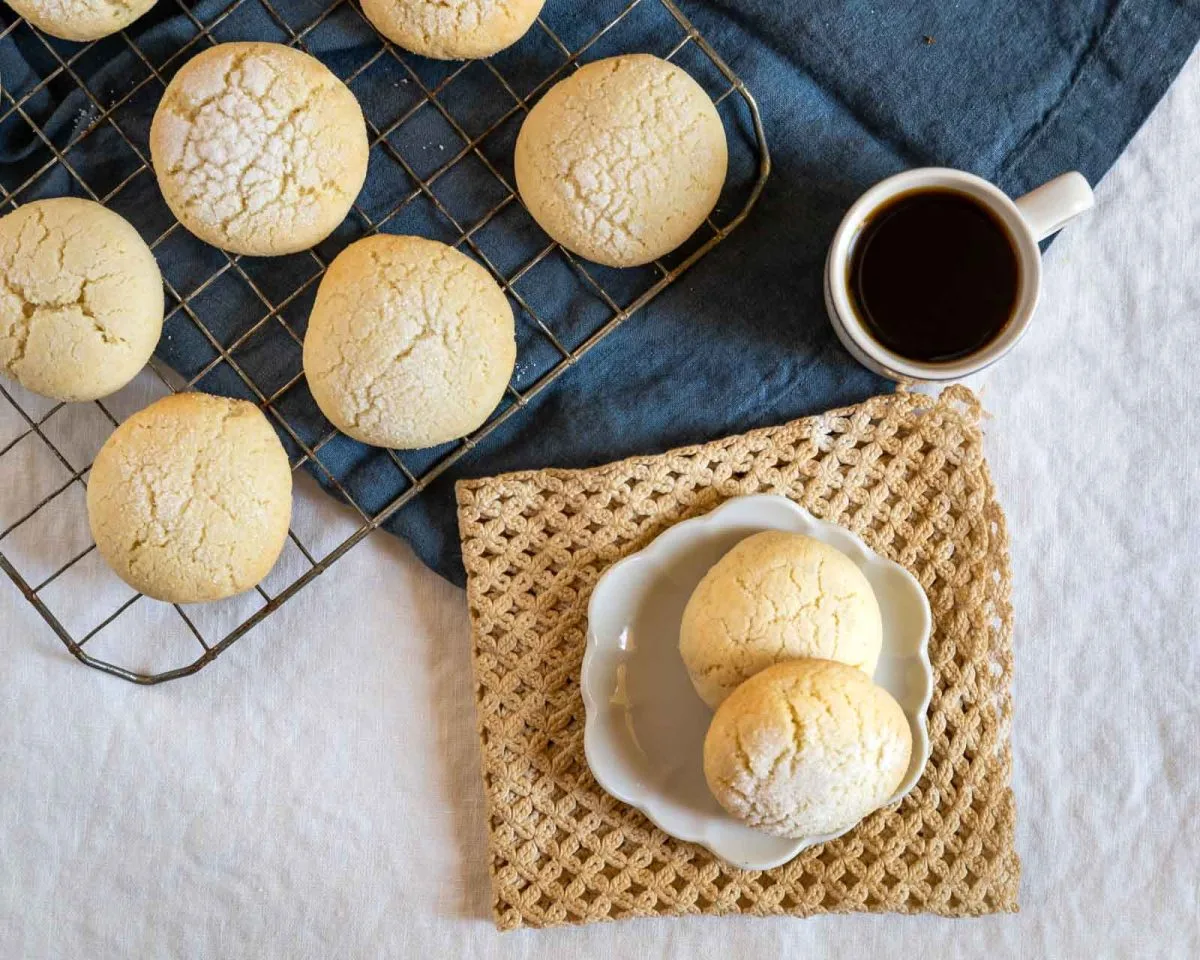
[316, 791]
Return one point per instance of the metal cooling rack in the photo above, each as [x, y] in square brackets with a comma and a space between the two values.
[44, 545]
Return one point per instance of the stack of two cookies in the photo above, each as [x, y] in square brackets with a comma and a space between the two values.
[782, 637]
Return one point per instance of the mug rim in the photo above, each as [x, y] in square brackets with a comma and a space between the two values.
[849, 326]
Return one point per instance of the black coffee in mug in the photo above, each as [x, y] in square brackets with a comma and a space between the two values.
[933, 275]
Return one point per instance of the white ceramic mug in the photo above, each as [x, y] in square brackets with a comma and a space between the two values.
[1028, 220]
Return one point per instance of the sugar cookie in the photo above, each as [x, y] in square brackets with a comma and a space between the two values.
[410, 343]
[623, 160]
[777, 596]
[81, 19]
[258, 148]
[806, 748]
[190, 498]
[81, 299]
[453, 29]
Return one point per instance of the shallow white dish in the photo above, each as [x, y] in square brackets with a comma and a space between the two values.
[645, 726]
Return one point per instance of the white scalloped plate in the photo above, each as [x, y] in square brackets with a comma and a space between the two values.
[645, 726]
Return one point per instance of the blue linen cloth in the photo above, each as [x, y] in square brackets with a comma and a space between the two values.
[850, 91]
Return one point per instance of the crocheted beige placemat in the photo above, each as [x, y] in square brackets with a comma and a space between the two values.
[906, 472]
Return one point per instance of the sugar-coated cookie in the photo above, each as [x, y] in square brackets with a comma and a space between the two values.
[190, 498]
[258, 148]
[805, 748]
[453, 29]
[777, 596]
[410, 342]
[622, 161]
[81, 299]
[81, 19]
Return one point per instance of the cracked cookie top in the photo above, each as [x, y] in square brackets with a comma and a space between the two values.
[453, 29]
[258, 148]
[190, 498]
[81, 299]
[777, 596]
[806, 748]
[623, 160]
[410, 342]
[81, 19]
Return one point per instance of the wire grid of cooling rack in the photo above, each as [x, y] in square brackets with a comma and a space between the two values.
[428, 88]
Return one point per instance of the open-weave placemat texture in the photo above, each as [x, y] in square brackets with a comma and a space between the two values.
[905, 472]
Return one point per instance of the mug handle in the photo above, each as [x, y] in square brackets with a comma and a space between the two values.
[1047, 208]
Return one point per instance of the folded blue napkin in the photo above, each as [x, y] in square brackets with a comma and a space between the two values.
[850, 92]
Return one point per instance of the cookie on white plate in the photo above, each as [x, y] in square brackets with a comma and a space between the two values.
[806, 748]
[777, 596]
